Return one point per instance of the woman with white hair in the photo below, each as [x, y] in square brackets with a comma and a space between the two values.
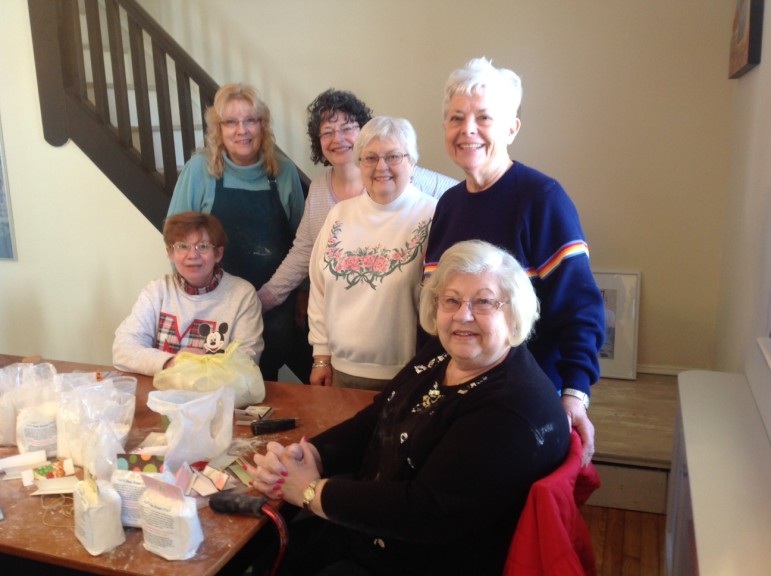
[529, 214]
[432, 477]
[366, 265]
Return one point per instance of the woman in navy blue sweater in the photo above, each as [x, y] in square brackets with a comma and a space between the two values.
[529, 214]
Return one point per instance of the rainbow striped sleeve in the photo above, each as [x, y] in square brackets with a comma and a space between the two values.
[566, 251]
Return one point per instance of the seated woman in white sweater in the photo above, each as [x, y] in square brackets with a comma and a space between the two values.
[366, 265]
[198, 308]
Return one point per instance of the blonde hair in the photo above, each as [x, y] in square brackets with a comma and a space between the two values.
[215, 149]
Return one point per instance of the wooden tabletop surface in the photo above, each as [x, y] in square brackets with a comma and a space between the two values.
[24, 532]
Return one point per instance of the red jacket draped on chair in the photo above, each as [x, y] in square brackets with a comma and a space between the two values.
[552, 538]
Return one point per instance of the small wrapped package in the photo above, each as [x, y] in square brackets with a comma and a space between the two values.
[170, 525]
[97, 516]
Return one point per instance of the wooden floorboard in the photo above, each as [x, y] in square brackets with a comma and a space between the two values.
[626, 543]
[634, 426]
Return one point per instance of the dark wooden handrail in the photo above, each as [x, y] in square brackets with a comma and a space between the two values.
[83, 100]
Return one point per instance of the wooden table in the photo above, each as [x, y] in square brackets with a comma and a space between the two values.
[229, 541]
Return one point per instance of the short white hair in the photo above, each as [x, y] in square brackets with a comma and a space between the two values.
[479, 257]
[388, 128]
[480, 74]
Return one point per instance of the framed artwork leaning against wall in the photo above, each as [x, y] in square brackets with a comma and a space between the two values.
[621, 294]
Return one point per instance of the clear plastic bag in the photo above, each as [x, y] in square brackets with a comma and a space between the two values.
[200, 424]
[205, 372]
[22, 385]
[94, 421]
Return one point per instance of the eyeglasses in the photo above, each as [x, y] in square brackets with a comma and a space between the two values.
[477, 306]
[200, 247]
[346, 130]
[248, 123]
[392, 159]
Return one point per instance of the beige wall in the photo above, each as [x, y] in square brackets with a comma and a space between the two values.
[84, 252]
[630, 107]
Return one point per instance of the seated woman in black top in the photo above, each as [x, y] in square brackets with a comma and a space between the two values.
[432, 477]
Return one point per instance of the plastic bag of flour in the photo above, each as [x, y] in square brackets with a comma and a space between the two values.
[93, 423]
[68, 416]
[97, 516]
[200, 424]
[130, 486]
[170, 525]
[36, 428]
[25, 385]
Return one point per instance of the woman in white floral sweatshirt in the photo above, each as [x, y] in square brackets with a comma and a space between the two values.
[366, 265]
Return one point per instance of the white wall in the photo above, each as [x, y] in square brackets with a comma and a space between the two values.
[84, 252]
[745, 296]
[628, 104]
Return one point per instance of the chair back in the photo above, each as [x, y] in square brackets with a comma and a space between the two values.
[552, 538]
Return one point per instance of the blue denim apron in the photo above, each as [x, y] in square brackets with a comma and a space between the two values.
[259, 237]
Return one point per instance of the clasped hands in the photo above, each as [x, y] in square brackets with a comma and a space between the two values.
[283, 472]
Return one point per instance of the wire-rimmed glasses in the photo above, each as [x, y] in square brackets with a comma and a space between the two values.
[344, 131]
[199, 247]
[478, 306]
[392, 159]
[247, 123]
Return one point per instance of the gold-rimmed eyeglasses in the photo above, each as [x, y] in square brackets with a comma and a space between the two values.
[392, 159]
[199, 247]
[233, 123]
[345, 130]
[477, 306]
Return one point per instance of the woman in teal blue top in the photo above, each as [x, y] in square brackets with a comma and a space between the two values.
[240, 178]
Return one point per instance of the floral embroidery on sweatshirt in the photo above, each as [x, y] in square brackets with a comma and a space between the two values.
[371, 264]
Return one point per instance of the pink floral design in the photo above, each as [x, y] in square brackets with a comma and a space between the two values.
[371, 264]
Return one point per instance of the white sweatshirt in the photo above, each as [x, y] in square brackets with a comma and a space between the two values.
[165, 318]
[365, 273]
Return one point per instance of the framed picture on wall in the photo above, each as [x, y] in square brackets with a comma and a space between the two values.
[746, 37]
[7, 248]
[621, 294]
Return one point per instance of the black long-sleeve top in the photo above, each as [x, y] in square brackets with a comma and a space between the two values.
[432, 478]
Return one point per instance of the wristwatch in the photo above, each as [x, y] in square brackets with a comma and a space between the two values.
[309, 494]
[582, 396]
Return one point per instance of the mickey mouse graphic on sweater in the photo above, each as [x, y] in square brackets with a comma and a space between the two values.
[165, 319]
[213, 342]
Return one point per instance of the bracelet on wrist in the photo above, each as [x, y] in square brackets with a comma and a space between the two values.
[321, 364]
[582, 396]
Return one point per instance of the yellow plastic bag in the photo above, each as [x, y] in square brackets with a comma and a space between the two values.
[206, 372]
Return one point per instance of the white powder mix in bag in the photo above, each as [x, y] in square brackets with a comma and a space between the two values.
[36, 428]
[170, 526]
[97, 517]
[130, 487]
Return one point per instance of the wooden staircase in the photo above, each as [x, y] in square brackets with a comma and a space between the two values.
[115, 83]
